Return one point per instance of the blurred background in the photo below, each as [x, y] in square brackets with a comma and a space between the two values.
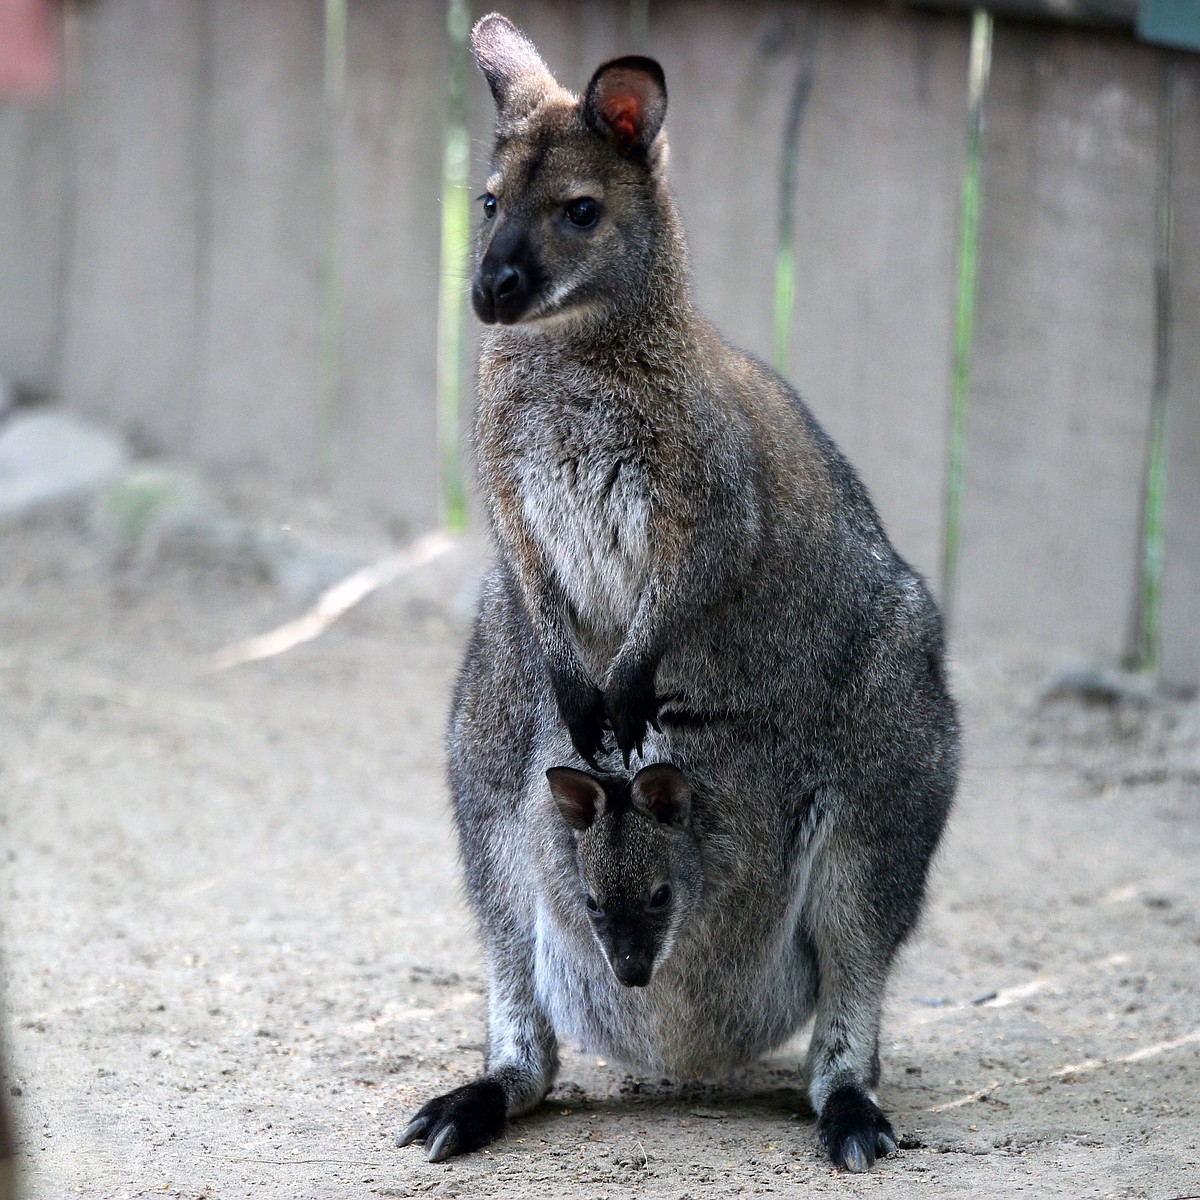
[234, 247]
[236, 232]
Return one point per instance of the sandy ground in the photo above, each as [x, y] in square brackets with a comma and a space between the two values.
[237, 958]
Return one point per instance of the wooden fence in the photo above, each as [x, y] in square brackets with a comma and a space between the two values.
[225, 238]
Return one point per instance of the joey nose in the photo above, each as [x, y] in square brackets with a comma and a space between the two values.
[632, 970]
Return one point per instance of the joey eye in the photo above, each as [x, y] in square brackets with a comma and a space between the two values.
[583, 213]
[661, 897]
[592, 906]
[489, 206]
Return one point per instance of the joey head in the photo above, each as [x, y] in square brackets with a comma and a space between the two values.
[639, 866]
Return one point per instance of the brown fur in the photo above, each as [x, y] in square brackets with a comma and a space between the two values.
[680, 545]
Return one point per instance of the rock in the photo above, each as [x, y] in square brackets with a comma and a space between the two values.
[1102, 685]
[49, 458]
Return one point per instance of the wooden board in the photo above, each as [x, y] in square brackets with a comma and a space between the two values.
[33, 199]
[881, 160]
[388, 150]
[1063, 364]
[1181, 534]
[731, 70]
[263, 241]
[130, 304]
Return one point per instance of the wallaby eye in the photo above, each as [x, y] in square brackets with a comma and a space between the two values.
[661, 897]
[583, 213]
[489, 206]
[592, 906]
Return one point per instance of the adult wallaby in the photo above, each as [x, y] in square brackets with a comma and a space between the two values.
[680, 547]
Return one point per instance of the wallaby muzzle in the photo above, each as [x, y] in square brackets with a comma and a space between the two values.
[504, 284]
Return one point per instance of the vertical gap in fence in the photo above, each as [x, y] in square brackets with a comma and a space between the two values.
[1146, 641]
[454, 253]
[785, 254]
[964, 311]
[333, 89]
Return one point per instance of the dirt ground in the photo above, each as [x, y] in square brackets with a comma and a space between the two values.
[237, 957]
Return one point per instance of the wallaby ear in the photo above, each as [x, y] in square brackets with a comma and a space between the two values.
[662, 791]
[579, 796]
[510, 63]
[626, 102]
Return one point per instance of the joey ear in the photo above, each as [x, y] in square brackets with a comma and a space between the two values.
[626, 102]
[510, 63]
[663, 792]
[579, 796]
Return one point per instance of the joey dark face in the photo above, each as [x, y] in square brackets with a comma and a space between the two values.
[639, 862]
[567, 218]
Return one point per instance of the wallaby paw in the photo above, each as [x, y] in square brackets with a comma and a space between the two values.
[853, 1130]
[632, 708]
[582, 711]
[458, 1122]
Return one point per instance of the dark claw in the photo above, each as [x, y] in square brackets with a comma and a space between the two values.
[853, 1130]
[443, 1145]
[417, 1128]
[632, 706]
[855, 1156]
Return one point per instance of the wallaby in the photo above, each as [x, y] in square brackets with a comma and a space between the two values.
[686, 564]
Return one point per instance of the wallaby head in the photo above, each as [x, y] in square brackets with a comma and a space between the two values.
[576, 204]
[639, 863]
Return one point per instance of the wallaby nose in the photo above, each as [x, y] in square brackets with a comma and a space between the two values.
[501, 289]
[506, 281]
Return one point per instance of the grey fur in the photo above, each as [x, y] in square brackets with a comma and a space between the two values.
[680, 545]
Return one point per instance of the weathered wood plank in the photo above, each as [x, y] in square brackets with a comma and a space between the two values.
[32, 208]
[263, 241]
[879, 177]
[389, 146]
[130, 305]
[1180, 630]
[731, 70]
[1063, 361]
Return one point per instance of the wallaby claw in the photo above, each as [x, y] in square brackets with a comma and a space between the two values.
[444, 1145]
[582, 711]
[854, 1157]
[416, 1128]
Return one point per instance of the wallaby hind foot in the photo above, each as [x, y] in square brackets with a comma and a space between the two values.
[466, 1119]
[853, 1129]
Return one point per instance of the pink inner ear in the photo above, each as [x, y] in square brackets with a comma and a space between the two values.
[623, 112]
